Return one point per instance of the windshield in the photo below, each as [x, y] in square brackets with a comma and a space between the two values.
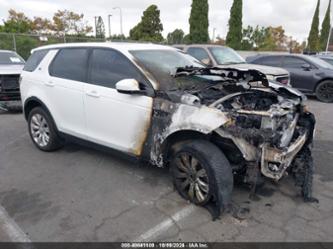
[320, 62]
[162, 64]
[328, 60]
[226, 56]
[10, 58]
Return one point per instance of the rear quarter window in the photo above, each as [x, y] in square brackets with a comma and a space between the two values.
[34, 60]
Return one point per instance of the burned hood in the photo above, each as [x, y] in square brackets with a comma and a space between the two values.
[206, 86]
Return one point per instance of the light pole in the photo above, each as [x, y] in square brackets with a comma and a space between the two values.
[95, 25]
[109, 19]
[214, 30]
[121, 19]
[329, 39]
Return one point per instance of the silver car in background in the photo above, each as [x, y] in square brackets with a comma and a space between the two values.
[11, 66]
[225, 57]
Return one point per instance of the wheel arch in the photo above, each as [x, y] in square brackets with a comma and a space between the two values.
[320, 81]
[179, 137]
[31, 103]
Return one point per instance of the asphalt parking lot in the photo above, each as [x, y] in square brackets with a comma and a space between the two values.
[80, 194]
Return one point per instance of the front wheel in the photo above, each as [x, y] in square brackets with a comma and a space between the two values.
[201, 172]
[324, 91]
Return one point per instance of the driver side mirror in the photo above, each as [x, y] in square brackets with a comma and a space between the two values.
[306, 67]
[129, 86]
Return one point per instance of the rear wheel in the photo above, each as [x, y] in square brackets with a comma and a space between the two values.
[43, 131]
[199, 171]
[324, 91]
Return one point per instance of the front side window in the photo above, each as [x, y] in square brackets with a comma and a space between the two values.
[10, 58]
[226, 56]
[200, 54]
[71, 64]
[107, 67]
[293, 62]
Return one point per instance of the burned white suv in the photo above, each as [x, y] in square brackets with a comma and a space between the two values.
[163, 107]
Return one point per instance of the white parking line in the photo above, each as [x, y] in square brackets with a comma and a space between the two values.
[12, 230]
[152, 233]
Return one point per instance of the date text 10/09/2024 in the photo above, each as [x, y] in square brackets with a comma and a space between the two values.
[164, 245]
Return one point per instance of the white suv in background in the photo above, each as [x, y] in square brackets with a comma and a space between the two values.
[162, 106]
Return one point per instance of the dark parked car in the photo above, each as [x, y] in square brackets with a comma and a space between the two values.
[309, 74]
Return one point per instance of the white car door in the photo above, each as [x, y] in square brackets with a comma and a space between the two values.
[120, 121]
[65, 90]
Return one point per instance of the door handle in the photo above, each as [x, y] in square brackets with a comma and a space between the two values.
[49, 83]
[93, 94]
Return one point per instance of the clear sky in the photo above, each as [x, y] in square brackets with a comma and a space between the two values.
[294, 15]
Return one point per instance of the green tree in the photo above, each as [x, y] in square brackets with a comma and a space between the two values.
[69, 22]
[187, 39]
[247, 40]
[313, 40]
[41, 25]
[100, 28]
[17, 22]
[264, 38]
[150, 27]
[199, 22]
[234, 36]
[325, 28]
[176, 37]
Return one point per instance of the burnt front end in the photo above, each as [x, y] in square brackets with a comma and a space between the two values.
[10, 87]
[270, 130]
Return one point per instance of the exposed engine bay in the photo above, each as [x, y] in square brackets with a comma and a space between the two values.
[266, 126]
[263, 128]
[270, 127]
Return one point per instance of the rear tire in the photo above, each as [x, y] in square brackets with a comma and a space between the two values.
[199, 171]
[43, 131]
[324, 91]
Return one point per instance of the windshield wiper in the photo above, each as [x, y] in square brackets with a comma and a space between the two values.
[234, 63]
[245, 76]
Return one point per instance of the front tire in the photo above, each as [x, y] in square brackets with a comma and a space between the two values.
[324, 91]
[201, 172]
[43, 131]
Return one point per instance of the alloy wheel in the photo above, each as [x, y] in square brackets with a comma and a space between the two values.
[191, 178]
[40, 130]
[326, 92]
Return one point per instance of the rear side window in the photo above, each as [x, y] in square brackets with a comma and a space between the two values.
[34, 60]
[71, 64]
[274, 61]
[107, 67]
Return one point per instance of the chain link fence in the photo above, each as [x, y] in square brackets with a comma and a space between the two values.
[24, 43]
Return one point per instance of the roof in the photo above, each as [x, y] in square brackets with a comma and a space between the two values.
[278, 55]
[121, 46]
[7, 51]
[198, 45]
